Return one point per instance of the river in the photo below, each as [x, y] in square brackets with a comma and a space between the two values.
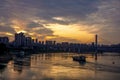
[60, 66]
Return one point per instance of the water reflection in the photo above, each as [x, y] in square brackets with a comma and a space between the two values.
[20, 63]
[2, 67]
[82, 63]
[60, 66]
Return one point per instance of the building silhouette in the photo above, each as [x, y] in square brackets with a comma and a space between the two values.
[4, 40]
[25, 42]
[22, 41]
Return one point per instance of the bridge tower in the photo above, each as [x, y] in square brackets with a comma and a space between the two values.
[96, 46]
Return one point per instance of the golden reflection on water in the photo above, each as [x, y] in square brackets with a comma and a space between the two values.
[56, 65]
[60, 66]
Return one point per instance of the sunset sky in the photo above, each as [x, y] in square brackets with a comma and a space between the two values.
[62, 20]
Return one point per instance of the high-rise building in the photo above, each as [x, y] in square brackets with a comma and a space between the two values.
[4, 40]
[22, 40]
[50, 42]
[28, 41]
[19, 39]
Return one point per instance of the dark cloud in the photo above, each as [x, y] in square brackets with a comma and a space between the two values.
[33, 25]
[100, 16]
[5, 25]
[106, 20]
[6, 29]
[46, 9]
[45, 31]
[41, 29]
[72, 10]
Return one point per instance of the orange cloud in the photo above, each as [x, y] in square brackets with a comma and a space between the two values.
[72, 31]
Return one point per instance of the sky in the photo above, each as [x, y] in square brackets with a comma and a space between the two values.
[62, 20]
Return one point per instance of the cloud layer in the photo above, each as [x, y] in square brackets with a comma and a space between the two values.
[85, 17]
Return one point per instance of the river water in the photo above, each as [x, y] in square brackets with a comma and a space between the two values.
[60, 66]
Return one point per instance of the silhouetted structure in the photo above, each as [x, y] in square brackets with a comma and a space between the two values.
[3, 49]
[22, 42]
[4, 40]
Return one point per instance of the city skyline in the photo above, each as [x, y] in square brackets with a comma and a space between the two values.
[21, 37]
[61, 20]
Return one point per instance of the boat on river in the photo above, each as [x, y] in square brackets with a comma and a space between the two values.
[79, 58]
